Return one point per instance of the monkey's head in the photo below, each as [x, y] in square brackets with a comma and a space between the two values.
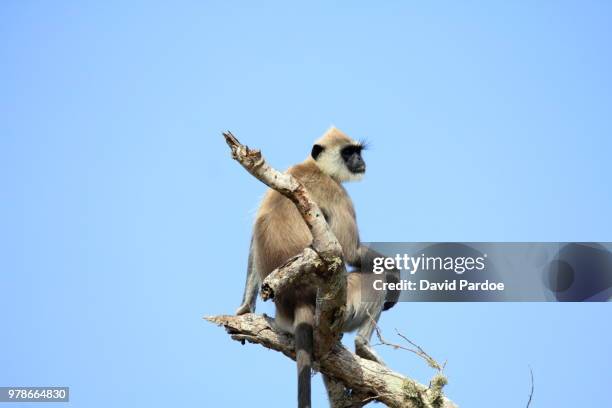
[339, 156]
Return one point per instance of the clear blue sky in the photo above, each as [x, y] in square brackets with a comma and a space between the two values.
[123, 219]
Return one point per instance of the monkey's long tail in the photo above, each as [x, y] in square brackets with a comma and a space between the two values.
[303, 322]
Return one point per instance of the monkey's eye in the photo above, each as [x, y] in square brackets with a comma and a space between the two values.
[348, 151]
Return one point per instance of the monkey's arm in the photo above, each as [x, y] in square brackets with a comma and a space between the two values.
[251, 286]
[365, 260]
[365, 256]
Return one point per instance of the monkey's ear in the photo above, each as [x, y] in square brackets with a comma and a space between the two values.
[316, 151]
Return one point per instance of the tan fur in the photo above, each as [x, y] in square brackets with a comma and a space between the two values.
[280, 232]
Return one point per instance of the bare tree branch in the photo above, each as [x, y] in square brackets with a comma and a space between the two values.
[340, 397]
[416, 350]
[363, 377]
[299, 269]
[532, 387]
[356, 381]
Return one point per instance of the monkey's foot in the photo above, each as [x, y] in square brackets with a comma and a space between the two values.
[244, 309]
[272, 323]
[364, 350]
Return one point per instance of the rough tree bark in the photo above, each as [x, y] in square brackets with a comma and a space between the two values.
[354, 381]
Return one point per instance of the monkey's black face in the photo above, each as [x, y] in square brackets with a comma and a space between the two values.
[352, 158]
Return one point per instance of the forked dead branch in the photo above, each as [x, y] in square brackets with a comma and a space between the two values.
[357, 381]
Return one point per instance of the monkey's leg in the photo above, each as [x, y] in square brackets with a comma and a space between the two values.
[251, 287]
[364, 305]
[362, 340]
[383, 300]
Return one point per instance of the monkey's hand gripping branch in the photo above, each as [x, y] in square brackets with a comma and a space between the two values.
[320, 266]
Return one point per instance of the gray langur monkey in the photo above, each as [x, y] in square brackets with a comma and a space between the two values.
[280, 233]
